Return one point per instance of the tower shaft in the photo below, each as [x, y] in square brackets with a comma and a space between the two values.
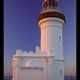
[51, 22]
[51, 36]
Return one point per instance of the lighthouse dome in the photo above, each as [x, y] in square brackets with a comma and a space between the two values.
[50, 5]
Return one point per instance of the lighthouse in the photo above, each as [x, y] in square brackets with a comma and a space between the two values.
[51, 22]
[47, 62]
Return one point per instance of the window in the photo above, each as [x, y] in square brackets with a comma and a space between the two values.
[45, 4]
[54, 4]
[60, 71]
[59, 38]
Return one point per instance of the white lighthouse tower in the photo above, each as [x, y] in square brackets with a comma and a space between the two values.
[51, 22]
[47, 63]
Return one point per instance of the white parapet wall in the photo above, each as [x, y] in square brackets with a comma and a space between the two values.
[36, 66]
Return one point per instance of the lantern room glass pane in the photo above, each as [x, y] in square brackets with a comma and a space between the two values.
[54, 4]
[45, 5]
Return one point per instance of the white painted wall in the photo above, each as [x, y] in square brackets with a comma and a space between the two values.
[47, 68]
[51, 31]
[33, 71]
[55, 70]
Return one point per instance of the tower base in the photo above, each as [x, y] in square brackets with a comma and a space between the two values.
[37, 66]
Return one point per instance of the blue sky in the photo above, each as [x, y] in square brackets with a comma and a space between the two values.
[21, 30]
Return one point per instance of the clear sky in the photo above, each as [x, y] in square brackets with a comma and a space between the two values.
[21, 30]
